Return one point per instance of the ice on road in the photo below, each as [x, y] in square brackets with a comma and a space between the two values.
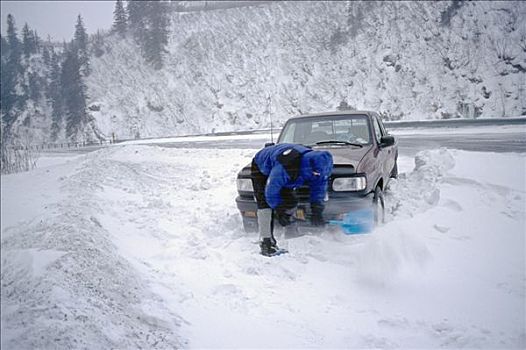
[142, 246]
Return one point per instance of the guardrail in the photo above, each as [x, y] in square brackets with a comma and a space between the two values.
[441, 123]
[435, 123]
[194, 6]
[454, 123]
[58, 146]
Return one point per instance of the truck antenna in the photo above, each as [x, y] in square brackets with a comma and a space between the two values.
[270, 117]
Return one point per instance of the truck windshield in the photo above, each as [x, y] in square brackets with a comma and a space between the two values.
[343, 130]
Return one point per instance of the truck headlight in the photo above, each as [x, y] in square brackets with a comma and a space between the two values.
[245, 185]
[358, 183]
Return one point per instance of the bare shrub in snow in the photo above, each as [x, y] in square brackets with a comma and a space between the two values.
[17, 156]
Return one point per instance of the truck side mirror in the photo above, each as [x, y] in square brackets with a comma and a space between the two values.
[387, 141]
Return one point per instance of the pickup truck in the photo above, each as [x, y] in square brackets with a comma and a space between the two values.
[364, 155]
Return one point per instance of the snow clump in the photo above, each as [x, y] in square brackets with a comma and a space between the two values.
[418, 191]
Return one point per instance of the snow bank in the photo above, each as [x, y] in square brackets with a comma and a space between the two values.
[63, 283]
[142, 246]
[418, 190]
[392, 251]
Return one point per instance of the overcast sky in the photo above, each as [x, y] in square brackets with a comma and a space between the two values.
[58, 18]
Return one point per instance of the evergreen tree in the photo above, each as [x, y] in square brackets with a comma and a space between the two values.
[154, 46]
[37, 41]
[12, 38]
[74, 93]
[135, 11]
[11, 69]
[28, 41]
[45, 56]
[34, 86]
[3, 75]
[119, 19]
[97, 44]
[54, 95]
[5, 46]
[148, 21]
[138, 19]
[80, 45]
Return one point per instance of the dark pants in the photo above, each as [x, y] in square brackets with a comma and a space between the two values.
[259, 181]
[289, 200]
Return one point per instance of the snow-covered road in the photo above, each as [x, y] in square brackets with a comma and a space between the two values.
[142, 246]
[503, 138]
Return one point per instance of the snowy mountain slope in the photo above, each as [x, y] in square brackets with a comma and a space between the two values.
[409, 60]
[142, 246]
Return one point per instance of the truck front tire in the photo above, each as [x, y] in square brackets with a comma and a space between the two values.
[378, 206]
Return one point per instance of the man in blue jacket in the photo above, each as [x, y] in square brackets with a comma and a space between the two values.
[276, 172]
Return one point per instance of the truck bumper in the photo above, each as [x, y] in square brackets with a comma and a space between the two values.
[335, 208]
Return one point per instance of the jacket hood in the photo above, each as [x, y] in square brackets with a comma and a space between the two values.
[318, 162]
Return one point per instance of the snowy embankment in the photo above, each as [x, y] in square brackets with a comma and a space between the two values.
[409, 60]
[142, 246]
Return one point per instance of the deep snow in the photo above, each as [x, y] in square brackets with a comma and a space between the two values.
[141, 246]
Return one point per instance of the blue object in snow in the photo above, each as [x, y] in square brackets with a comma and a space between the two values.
[356, 222]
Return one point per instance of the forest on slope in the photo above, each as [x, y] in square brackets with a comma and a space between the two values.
[228, 69]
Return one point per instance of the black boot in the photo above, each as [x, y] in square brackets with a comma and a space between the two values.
[317, 214]
[268, 247]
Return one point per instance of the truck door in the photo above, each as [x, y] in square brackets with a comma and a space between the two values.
[391, 151]
[382, 153]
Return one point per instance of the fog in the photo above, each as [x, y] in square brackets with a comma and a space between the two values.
[58, 18]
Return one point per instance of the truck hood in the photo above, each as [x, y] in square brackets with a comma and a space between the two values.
[341, 155]
[346, 154]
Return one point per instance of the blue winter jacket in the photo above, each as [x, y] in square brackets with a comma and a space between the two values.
[290, 166]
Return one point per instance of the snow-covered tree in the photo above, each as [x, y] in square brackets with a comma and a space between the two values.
[119, 19]
[28, 41]
[74, 93]
[37, 41]
[80, 45]
[35, 86]
[137, 17]
[97, 44]
[45, 55]
[12, 38]
[11, 68]
[149, 23]
[4, 46]
[55, 96]
[157, 36]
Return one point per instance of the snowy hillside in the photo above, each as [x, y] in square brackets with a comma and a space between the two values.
[408, 60]
[142, 247]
